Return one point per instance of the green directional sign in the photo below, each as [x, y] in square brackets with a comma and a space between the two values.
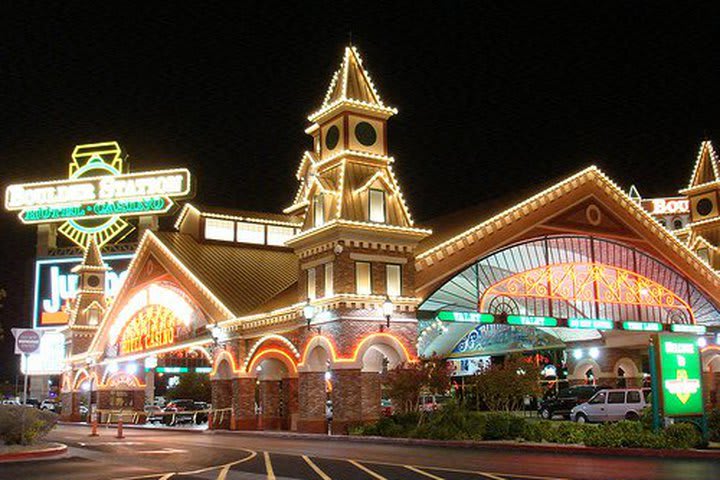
[642, 326]
[466, 317]
[532, 321]
[590, 323]
[685, 328]
[680, 375]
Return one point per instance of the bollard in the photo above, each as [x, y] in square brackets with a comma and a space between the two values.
[120, 429]
[93, 431]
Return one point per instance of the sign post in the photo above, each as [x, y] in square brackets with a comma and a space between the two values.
[27, 341]
[679, 378]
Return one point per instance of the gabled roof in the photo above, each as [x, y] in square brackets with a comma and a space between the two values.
[241, 277]
[351, 84]
[706, 166]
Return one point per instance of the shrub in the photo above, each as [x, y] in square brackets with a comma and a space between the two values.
[534, 431]
[37, 424]
[714, 425]
[568, 432]
[617, 435]
[682, 435]
[497, 426]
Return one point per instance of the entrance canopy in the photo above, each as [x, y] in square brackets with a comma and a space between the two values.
[567, 276]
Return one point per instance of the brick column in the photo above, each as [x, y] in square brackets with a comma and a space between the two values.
[243, 397]
[371, 396]
[290, 404]
[221, 392]
[270, 404]
[346, 400]
[70, 406]
[311, 402]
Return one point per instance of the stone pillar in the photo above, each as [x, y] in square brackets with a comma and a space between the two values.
[371, 396]
[70, 406]
[150, 386]
[270, 404]
[290, 404]
[221, 398]
[311, 402]
[243, 397]
[346, 400]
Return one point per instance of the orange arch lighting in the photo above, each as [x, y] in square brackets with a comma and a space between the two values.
[358, 347]
[587, 282]
[272, 352]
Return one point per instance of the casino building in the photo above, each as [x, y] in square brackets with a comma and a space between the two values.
[296, 309]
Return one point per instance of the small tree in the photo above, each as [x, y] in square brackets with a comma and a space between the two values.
[504, 386]
[407, 381]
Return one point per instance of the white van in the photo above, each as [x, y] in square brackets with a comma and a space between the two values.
[610, 406]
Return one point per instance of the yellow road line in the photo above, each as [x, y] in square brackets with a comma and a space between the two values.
[224, 467]
[422, 472]
[315, 468]
[268, 466]
[367, 470]
[165, 477]
[490, 475]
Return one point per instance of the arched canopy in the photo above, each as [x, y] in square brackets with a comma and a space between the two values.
[565, 276]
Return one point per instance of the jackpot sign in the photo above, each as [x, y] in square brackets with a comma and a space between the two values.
[680, 375]
[97, 195]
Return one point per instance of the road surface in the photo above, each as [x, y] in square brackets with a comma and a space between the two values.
[147, 454]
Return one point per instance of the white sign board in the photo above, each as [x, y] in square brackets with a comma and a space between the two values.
[50, 359]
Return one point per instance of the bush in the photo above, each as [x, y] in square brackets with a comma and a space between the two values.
[714, 425]
[37, 424]
[683, 435]
[534, 431]
[617, 435]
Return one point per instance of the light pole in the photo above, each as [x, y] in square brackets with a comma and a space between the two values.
[388, 308]
[308, 312]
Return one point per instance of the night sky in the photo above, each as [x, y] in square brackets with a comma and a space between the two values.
[492, 97]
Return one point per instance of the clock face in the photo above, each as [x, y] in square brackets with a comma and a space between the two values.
[365, 134]
[704, 206]
[93, 281]
[332, 137]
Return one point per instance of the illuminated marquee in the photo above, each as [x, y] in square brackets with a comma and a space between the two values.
[97, 195]
[152, 327]
[667, 206]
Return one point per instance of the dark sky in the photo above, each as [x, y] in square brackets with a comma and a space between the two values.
[492, 97]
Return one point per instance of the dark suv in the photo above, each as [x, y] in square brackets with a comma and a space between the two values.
[565, 400]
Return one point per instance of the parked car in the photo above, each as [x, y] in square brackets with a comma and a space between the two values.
[565, 400]
[52, 405]
[33, 402]
[611, 405]
[184, 410]
[153, 413]
[10, 401]
[202, 415]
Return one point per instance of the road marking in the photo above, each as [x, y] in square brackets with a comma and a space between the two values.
[315, 468]
[165, 477]
[95, 444]
[224, 467]
[488, 474]
[252, 455]
[491, 476]
[162, 451]
[367, 470]
[268, 466]
[422, 472]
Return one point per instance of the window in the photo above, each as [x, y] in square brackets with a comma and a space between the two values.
[328, 279]
[677, 224]
[250, 233]
[597, 399]
[363, 283]
[704, 253]
[616, 397]
[377, 205]
[93, 316]
[311, 284]
[219, 229]
[393, 277]
[319, 210]
[633, 396]
[279, 235]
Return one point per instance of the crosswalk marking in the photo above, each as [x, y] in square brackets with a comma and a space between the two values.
[367, 470]
[268, 466]
[423, 472]
[315, 468]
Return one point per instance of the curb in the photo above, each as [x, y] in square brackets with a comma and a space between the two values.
[488, 445]
[58, 450]
[113, 426]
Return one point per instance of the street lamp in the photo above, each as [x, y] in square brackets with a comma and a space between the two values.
[388, 308]
[218, 334]
[308, 312]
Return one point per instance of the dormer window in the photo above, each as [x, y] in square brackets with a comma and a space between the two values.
[319, 210]
[376, 207]
[93, 316]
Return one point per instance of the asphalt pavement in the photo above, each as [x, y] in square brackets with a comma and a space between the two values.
[147, 454]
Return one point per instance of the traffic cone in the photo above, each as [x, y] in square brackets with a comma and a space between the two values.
[120, 430]
[93, 431]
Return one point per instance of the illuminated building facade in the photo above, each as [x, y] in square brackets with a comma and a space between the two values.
[297, 309]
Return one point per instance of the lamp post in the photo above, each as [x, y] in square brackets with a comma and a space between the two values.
[218, 334]
[308, 312]
[387, 308]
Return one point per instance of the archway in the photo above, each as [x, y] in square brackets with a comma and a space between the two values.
[276, 391]
[627, 373]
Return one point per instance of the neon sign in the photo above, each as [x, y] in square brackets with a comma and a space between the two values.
[465, 317]
[152, 327]
[667, 206]
[55, 284]
[680, 375]
[97, 195]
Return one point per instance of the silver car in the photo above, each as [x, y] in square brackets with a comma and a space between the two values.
[610, 405]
